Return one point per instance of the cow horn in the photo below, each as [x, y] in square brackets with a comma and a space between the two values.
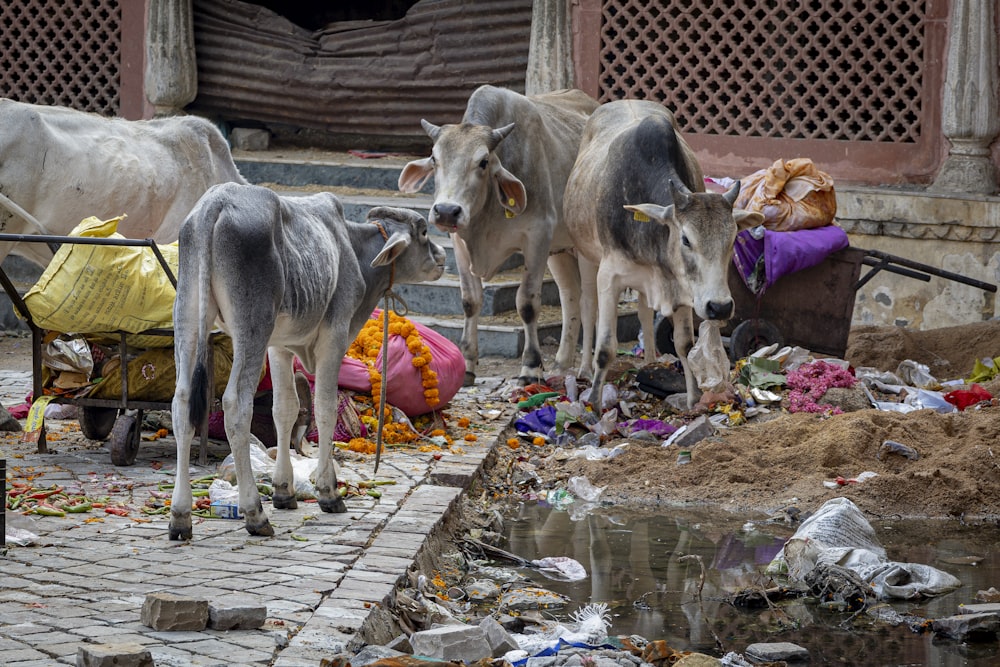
[498, 135]
[431, 129]
[681, 194]
[732, 193]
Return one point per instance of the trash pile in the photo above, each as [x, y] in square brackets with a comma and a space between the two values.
[771, 381]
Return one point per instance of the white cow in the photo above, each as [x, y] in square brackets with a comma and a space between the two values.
[639, 216]
[499, 178]
[284, 276]
[62, 165]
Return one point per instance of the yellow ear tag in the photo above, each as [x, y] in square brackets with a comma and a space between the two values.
[507, 212]
[639, 216]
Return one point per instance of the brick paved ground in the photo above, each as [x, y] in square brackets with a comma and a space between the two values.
[86, 576]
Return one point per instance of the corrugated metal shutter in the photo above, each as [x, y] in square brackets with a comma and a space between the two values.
[362, 79]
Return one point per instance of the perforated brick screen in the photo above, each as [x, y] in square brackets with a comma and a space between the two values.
[63, 53]
[848, 70]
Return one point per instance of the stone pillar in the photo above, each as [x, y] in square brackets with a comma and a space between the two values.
[970, 117]
[171, 79]
[550, 53]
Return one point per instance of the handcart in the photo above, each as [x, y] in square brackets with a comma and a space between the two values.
[118, 420]
[812, 308]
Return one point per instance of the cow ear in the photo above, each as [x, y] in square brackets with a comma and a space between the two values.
[392, 249]
[415, 174]
[510, 191]
[747, 219]
[647, 212]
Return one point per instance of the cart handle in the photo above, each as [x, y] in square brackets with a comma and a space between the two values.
[885, 261]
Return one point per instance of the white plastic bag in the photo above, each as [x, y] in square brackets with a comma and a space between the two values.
[261, 464]
[839, 534]
[583, 489]
[707, 358]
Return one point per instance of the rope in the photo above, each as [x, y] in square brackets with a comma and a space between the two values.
[387, 297]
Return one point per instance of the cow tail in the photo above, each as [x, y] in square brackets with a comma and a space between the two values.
[199, 387]
[200, 381]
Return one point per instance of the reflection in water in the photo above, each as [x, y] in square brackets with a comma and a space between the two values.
[635, 567]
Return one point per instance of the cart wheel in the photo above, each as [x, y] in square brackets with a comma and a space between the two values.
[124, 442]
[664, 337]
[96, 423]
[751, 335]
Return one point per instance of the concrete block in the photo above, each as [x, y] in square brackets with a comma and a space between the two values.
[250, 139]
[968, 627]
[170, 612]
[775, 652]
[236, 614]
[452, 642]
[980, 608]
[401, 643]
[370, 654]
[128, 654]
[695, 432]
[499, 639]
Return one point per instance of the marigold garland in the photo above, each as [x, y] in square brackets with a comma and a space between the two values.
[368, 344]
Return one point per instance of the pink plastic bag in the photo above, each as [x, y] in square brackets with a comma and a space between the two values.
[404, 388]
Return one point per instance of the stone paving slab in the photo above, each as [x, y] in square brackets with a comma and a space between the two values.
[85, 578]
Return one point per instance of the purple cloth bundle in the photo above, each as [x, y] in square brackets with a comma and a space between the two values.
[761, 262]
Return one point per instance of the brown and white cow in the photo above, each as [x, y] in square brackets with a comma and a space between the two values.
[637, 210]
[499, 178]
[62, 165]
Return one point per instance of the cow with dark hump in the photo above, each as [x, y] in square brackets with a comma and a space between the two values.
[285, 277]
[639, 216]
[499, 178]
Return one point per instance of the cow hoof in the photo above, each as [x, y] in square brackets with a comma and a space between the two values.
[284, 502]
[470, 379]
[180, 527]
[333, 505]
[181, 534]
[262, 530]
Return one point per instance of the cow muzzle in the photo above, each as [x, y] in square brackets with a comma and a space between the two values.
[446, 217]
[719, 310]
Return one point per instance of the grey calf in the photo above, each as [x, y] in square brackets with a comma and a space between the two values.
[285, 277]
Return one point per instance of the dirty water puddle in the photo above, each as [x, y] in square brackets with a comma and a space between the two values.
[674, 575]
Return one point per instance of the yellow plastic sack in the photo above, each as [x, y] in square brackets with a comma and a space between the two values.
[790, 194]
[97, 289]
[152, 375]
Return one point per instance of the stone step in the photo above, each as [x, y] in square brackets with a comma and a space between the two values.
[503, 336]
[304, 167]
[443, 296]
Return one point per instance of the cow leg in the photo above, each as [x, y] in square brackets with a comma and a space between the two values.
[683, 321]
[285, 410]
[472, 303]
[566, 271]
[648, 332]
[237, 403]
[185, 350]
[327, 371]
[608, 291]
[588, 313]
[529, 305]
